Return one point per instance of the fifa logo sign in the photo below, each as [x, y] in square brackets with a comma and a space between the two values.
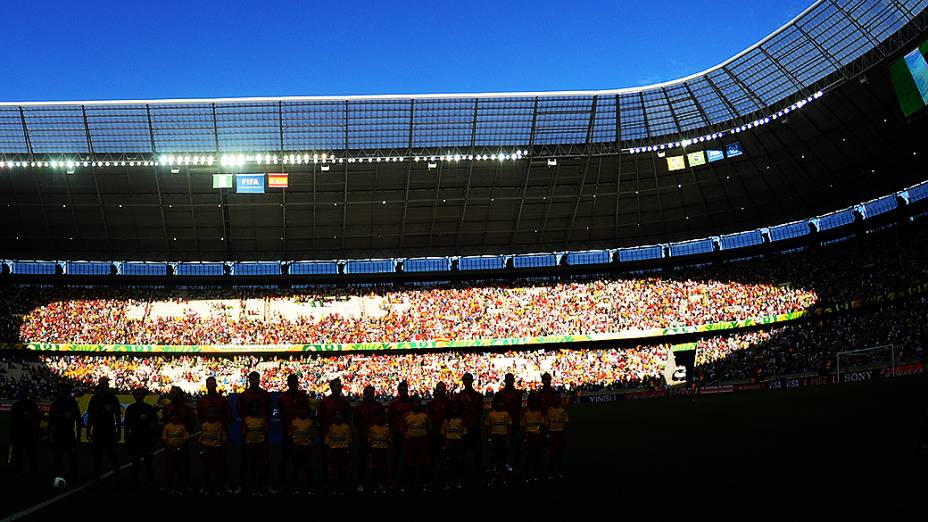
[250, 183]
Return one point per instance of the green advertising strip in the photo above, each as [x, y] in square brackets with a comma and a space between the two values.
[648, 334]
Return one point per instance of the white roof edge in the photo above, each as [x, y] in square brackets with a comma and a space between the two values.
[526, 94]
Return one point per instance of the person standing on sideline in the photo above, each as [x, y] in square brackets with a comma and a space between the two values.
[24, 435]
[470, 404]
[329, 406]
[512, 401]
[64, 420]
[215, 414]
[378, 440]
[556, 423]
[532, 421]
[546, 395]
[175, 438]
[255, 402]
[365, 416]
[104, 414]
[301, 432]
[286, 409]
[141, 423]
[399, 408]
[499, 426]
[437, 409]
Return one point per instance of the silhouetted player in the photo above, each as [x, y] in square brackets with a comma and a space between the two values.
[253, 397]
[399, 407]
[470, 402]
[65, 426]
[286, 407]
[365, 417]
[24, 435]
[141, 423]
[328, 407]
[103, 416]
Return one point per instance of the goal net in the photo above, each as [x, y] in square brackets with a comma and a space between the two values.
[882, 356]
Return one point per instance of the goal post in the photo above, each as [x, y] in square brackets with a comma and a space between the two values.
[881, 356]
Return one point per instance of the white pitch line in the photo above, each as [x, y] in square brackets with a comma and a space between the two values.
[28, 511]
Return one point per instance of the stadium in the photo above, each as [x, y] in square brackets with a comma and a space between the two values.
[722, 275]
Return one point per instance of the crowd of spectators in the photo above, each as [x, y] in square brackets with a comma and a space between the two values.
[571, 369]
[478, 309]
[809, 346]
[813, 346]
[500, 310]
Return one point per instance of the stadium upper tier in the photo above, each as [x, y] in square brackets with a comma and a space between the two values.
[799, 125]
[805, 55]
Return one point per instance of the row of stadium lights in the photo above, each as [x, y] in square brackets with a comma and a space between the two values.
[239, 160]
[754, 124]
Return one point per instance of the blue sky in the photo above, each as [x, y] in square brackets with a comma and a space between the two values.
[106, 49]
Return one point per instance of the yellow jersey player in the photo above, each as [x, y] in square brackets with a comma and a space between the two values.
[213, 439]
[255, 427]
[453, 432]
[532, 421]
[338, 440]
[556, 423]
[378, 440]
[175, 437]
[302, 430]
[416, 425]
[499, 425]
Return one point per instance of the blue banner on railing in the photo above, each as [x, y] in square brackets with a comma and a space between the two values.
[249, 183]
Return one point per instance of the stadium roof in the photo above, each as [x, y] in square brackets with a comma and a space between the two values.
[132, 180]
[792, 62]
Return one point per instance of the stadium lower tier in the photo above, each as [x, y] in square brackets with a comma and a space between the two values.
[871, 264]
[809, 346]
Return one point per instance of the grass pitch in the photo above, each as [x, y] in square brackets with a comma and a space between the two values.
[830, 449]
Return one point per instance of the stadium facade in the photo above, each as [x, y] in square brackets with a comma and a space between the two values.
[804, 124]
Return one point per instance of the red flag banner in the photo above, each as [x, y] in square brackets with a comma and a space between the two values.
[277, 180]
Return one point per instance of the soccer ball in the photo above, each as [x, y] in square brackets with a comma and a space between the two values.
[59, 483]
